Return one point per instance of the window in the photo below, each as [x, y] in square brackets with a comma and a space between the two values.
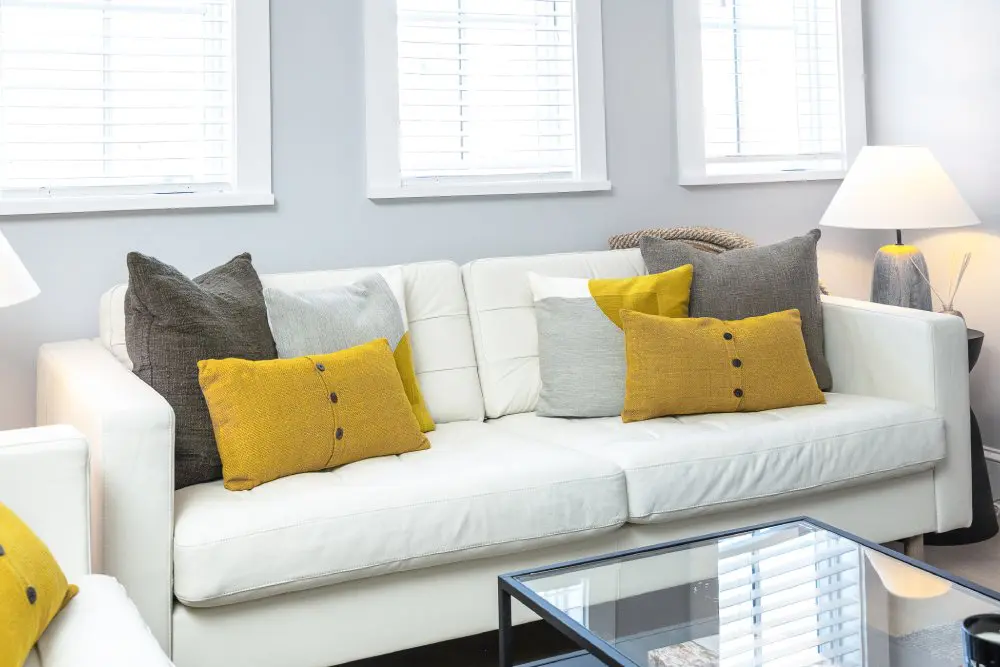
[484, 97]
[133, 104]
[768, 90]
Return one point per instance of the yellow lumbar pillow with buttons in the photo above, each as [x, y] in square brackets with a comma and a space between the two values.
[681, 366]
[33, 589]
[286, 416]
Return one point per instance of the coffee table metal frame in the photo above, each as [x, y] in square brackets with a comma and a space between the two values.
[510, 587]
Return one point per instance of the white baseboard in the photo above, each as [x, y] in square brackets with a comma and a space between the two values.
[993, 468]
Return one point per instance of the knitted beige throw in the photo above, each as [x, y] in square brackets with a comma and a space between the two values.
[703, 238]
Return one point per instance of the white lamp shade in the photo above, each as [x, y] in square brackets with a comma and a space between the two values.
[16, 284]
[898, 187]
[904, 580]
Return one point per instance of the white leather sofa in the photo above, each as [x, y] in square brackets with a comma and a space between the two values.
[387, 554]
[44, 478]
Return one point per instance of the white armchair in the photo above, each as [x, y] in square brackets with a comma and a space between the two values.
[44, 478]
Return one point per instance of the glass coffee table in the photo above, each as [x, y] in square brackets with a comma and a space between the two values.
[789, 594]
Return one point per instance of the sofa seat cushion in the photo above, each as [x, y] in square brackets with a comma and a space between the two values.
[682, 466]
[101, 627]
[477, 492]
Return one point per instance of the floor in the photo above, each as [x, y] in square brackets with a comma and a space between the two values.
[532, 642]
[977, 562]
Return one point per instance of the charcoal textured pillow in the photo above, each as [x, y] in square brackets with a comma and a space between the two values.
[172, 323]
[751, 282]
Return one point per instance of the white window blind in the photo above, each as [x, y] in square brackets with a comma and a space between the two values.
[116, 96]
[790, 602]
[487, 88]
[772, 79]
[484, 97]
[770, 86]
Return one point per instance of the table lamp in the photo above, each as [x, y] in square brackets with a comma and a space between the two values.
[16, 284]
[898, 187]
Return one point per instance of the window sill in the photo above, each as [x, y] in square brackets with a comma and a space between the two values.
[164, 202]
[775, 177]
[485, 189]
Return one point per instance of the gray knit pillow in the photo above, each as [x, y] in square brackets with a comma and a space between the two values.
[750, 282]
[172, 323]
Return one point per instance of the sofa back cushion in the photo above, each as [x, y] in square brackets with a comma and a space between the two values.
[436, 310]
[502, 311]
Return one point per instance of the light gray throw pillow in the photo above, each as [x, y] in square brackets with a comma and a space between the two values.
[331, 320]
[581, 359]
[750, 282]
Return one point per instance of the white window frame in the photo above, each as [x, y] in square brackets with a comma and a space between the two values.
[382, 115]
[252, 140]
[689, 95]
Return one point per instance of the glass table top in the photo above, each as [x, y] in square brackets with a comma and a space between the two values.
[788, 595]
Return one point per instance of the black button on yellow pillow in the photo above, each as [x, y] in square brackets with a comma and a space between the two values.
[281, 417]
[684, 366]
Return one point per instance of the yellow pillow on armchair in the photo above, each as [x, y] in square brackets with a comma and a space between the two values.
[286, 416]
[685, 366]
[33, 589]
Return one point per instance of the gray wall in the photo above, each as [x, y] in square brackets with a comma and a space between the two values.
[934, 80]
[323, 219]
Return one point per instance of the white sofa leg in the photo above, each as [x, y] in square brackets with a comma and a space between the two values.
[914, 547]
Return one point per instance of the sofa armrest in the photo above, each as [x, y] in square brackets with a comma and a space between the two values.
[43, 478]
[914, 356]
[130, 429]
[100, 627]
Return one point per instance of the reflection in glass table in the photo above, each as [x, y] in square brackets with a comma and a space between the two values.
[792, 594]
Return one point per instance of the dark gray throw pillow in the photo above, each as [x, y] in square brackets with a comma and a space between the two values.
[750, 282]
[172, 323]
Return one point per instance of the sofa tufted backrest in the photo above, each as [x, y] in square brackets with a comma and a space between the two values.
[503, 318]
[436, 309]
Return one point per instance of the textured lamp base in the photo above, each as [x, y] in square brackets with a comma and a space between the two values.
[897, 282]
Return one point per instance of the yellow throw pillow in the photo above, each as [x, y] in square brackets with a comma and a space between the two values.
[678, 366]
[667, 294]
[287, 416]
[33, 589]
[403, 355]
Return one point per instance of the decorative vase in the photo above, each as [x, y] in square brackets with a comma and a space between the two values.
[899, 280]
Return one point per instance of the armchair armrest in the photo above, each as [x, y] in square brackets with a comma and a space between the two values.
[130, 429]
[100, 628]
[914, 356]
[43, 478]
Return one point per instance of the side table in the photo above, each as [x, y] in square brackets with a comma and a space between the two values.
[984, 519]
